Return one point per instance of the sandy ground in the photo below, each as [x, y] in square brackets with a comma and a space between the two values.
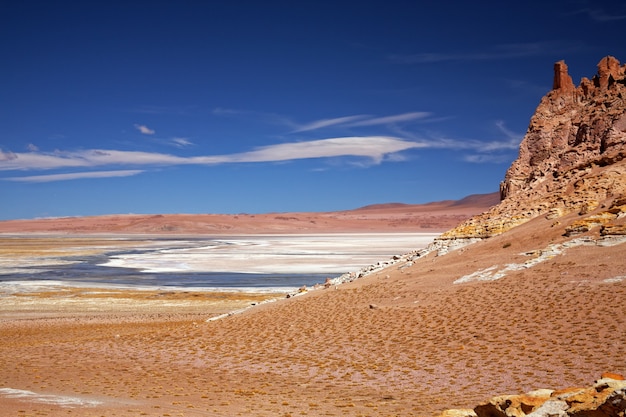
[411, 340]
[405, 341]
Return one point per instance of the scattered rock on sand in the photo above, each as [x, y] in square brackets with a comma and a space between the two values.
[605, 398]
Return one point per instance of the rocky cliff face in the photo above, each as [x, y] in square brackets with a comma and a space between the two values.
[571, 159]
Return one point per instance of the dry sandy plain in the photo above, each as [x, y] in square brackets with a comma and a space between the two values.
[407, 341]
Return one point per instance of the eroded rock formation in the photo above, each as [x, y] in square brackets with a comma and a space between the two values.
[605, 398]
[571, 159]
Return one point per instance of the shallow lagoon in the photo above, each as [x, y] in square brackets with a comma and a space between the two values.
[257, 263]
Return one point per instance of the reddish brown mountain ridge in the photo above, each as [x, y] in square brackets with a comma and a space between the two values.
[392, 217]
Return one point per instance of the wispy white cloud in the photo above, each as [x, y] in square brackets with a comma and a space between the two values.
[510, 142]
[373, 147]
[31, 147]
[318, 124]
[75, 176]
[362, 120]
[501, 126]
[181, 142]
[478, 151]
[487, 158]
[145, 129]
[356, 120]
[504, 51]
[398, 118]
[7, 156]
[83, 159]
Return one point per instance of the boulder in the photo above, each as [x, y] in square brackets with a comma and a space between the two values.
[605, 398]
[613, 230]
[612, 375]
[513, 405]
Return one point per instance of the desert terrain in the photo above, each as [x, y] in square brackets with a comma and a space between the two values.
[414, 339]
[525, 295]
[404, 341]
[60, 318]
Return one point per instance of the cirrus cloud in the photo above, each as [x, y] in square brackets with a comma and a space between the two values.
[404, 117]
[75, 176]
[362, 120]
[373, 147]
[318, 124]
[145, 129]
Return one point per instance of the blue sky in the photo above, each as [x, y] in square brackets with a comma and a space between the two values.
[275, 106]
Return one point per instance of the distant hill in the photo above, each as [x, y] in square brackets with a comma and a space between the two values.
[478, 200]
[392, 217]
[474, 200]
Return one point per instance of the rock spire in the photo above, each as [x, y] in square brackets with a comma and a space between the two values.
[562, 80]
[571, 158]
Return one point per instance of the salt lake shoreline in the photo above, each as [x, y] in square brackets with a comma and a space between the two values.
[30, 299]
[297, 254]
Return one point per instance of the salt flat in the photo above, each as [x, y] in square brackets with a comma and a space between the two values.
[319, 253]
[29, 263]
